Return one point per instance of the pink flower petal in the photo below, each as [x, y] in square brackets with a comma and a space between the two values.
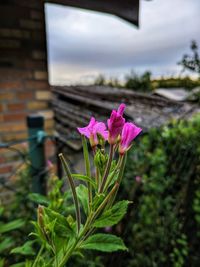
[129, 133]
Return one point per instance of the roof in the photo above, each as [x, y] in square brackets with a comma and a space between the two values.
[74, 105]
[173, 93]
[125, 9]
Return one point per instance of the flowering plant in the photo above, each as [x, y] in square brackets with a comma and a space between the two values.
[60, 236]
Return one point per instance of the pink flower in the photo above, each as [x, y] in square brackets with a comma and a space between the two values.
[138, 179]
[49, 164]
[129, 132]
[115, 124]
[94, 127]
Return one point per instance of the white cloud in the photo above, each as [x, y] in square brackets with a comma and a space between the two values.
[82, 43]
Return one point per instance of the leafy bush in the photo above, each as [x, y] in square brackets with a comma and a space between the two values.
[137, 82]
[163, 226]
[185, 82]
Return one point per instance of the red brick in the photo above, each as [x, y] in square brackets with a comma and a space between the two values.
[37, 105]
[13, 74]
[1, 118]
[36, 85]
[38, 54]
[5, 169]
[2, 160]
[49, 124]
[16, 107]
[30, 4]
[6, 96]
[14, 117]
[31, 24]
[13, 127]
[10, 85]
[1, 107]
[25, 95]
[16, 33]
[35, 64]
[40, 75]
[9, 43]
[8, 137]
[37, 15]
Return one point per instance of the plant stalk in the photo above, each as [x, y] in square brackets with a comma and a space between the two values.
[73, 188]
[107, 168]
[87, 169]
[120, 176]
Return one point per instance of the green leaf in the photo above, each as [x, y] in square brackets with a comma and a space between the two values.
[1, 210]
[59, 222]
[113, 215]
[82, 193]
[104, 242]
[85, 179]
[6, 244]
[21, 264]
[100, 160]
[26, 249]
[7, 227]
[39, 199]
[98, 199]
[2, 262]
[27, 263]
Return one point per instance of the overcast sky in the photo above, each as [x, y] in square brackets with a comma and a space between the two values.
[83, 44]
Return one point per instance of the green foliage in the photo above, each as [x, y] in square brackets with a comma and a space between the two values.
[104, 242]
[173, 82]
[191, 62]
[13, 225]
[113, 215]
[163, 229]
[100, 80]
[25, 249]
[38, 199]
[85, 179]
[82, 193]
[137, 82]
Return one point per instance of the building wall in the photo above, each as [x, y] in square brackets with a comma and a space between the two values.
[24, 87]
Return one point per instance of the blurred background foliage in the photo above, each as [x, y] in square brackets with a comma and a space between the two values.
[162, 179]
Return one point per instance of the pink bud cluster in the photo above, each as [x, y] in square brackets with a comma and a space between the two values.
[118, 131]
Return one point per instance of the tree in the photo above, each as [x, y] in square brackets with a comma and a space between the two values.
[191, 62]
[137, 82]
[100, 80]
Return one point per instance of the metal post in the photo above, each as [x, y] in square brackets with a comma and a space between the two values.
[35, 125]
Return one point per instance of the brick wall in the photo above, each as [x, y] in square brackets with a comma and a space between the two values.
[24, 87]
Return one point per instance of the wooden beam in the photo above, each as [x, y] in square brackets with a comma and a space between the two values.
[125, 9]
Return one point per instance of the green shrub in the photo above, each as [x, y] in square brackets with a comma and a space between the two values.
[162, 227]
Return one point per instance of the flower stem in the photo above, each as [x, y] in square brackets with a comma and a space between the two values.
[87, 169]
[109, 180]
[120, 176]
[96, 168]
[38, 256]
[107, 168]
[88, 226]
[73, 188]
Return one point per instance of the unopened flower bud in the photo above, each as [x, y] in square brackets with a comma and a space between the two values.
[40, 216]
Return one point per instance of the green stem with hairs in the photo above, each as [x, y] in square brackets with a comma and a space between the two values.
[109, 180]
[73, 188]
[38, 256]
[87, 169]
[88, 226]
[120, 176]
[107, 168]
